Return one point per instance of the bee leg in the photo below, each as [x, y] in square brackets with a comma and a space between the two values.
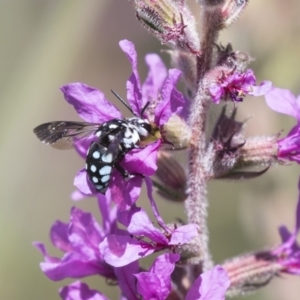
[125, 174]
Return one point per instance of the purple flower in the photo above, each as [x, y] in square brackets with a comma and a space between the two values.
[80, 291]
[143, 239]
[283, 101]
[236, 86]
[92, 106]
[156, 283]
[288, 254]
[80, 241]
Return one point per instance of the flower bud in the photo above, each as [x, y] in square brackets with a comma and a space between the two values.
[170, 21]
[259, 150]
[234, 153]
[229, 10]
[171, 177]
[250, 272]
[232, 9]
[186, 62]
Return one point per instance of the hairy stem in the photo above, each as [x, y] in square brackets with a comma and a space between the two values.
[196, 204]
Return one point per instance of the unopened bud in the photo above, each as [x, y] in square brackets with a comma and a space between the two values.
[186, 62]
[234, 153]
[258, 151]
[231, 10]
[250, 272]
[171, 183]
[227, 10]
[227, 140]
[170, 21]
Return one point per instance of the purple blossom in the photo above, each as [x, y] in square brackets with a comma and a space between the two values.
[79, 240]
[92, 106]
[236, 86]
[288, 253]
[143, 237]
[119, 251]
[80, 291]
[156, 283]
[283, 101]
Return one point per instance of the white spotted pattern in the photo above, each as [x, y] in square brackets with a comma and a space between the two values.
[93, 168]
[113, 126]
[106, 170]
[99, 186]
[96, 154]
[105, 178]
[95, 179]
[107, 158]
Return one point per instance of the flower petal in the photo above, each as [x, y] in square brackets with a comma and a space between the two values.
[80, 291]
[127, 281]
[169, 104]
[122, 192]
[139, 224]
[184, 234]
[85, 234]
[142, 161]
[120, 250]
[71, 266]
[283, 101]
[133, 85]
[211, 285]
[261, 89]
[77, 195]
[81, 182]
[156, 284]
[157, 75]
[90, 103]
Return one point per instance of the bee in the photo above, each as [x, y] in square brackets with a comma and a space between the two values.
[114, 139]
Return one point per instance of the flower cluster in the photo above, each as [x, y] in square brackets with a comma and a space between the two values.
[236, 86]
[125, 153]
[92, 106]
[113, 253]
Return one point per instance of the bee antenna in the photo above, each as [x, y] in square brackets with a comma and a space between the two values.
[123, 101]
[144, 108]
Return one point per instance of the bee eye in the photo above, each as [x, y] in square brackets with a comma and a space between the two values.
[147, 127]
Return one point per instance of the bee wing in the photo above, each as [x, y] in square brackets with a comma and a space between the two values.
[114, 146]
[63, 134]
